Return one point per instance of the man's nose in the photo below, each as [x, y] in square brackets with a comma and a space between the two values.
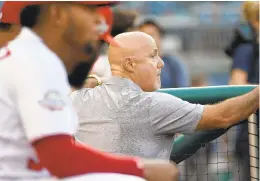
[160, 63]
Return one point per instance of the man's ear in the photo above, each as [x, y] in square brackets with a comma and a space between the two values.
[61, 12]
[129, 64]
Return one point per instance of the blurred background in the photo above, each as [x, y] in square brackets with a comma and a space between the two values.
[196, 32]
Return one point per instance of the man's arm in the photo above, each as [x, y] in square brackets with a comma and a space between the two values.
[170, 115]
[229, 112]
[238, 77]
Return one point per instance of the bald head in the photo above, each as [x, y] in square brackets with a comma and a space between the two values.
[136, 58]
[131, 44]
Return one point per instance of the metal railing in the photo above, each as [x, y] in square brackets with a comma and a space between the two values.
[253, 137]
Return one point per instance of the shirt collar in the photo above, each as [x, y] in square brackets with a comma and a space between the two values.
[120, 81]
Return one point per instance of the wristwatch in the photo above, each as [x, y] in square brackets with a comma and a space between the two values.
[99, 82]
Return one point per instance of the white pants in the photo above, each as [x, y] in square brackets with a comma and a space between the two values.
[98, 177]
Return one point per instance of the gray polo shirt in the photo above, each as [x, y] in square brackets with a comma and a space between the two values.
[118, 117]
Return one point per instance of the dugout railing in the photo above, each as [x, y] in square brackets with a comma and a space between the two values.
[185, 146]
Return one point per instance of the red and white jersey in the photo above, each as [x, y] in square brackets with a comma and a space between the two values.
[34, 103]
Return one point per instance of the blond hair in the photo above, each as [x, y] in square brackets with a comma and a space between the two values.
[250, 11]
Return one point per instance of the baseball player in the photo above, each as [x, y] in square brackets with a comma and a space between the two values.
[37, 122]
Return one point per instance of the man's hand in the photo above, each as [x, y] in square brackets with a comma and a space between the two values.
[158, 170]
[91, 83]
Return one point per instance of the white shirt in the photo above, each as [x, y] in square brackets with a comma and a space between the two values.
[34, 103]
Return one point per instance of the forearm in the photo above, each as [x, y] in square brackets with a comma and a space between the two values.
[238, 77]
[92, 81]
[239, 108]
[237, 82]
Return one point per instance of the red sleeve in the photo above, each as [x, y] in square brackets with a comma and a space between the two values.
[65, 157]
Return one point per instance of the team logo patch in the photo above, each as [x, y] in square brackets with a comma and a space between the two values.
[52, 100]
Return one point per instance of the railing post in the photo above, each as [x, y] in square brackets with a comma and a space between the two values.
[253, 147]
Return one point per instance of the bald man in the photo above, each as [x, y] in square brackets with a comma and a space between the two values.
[125, 116]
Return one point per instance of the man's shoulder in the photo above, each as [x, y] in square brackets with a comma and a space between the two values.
[162, 98]
[162, 95]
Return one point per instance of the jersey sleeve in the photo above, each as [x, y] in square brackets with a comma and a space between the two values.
[42, 92]
[170, 115]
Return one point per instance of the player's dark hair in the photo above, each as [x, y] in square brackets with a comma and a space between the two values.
[152, 23]
[5, 26]
[29, 15]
